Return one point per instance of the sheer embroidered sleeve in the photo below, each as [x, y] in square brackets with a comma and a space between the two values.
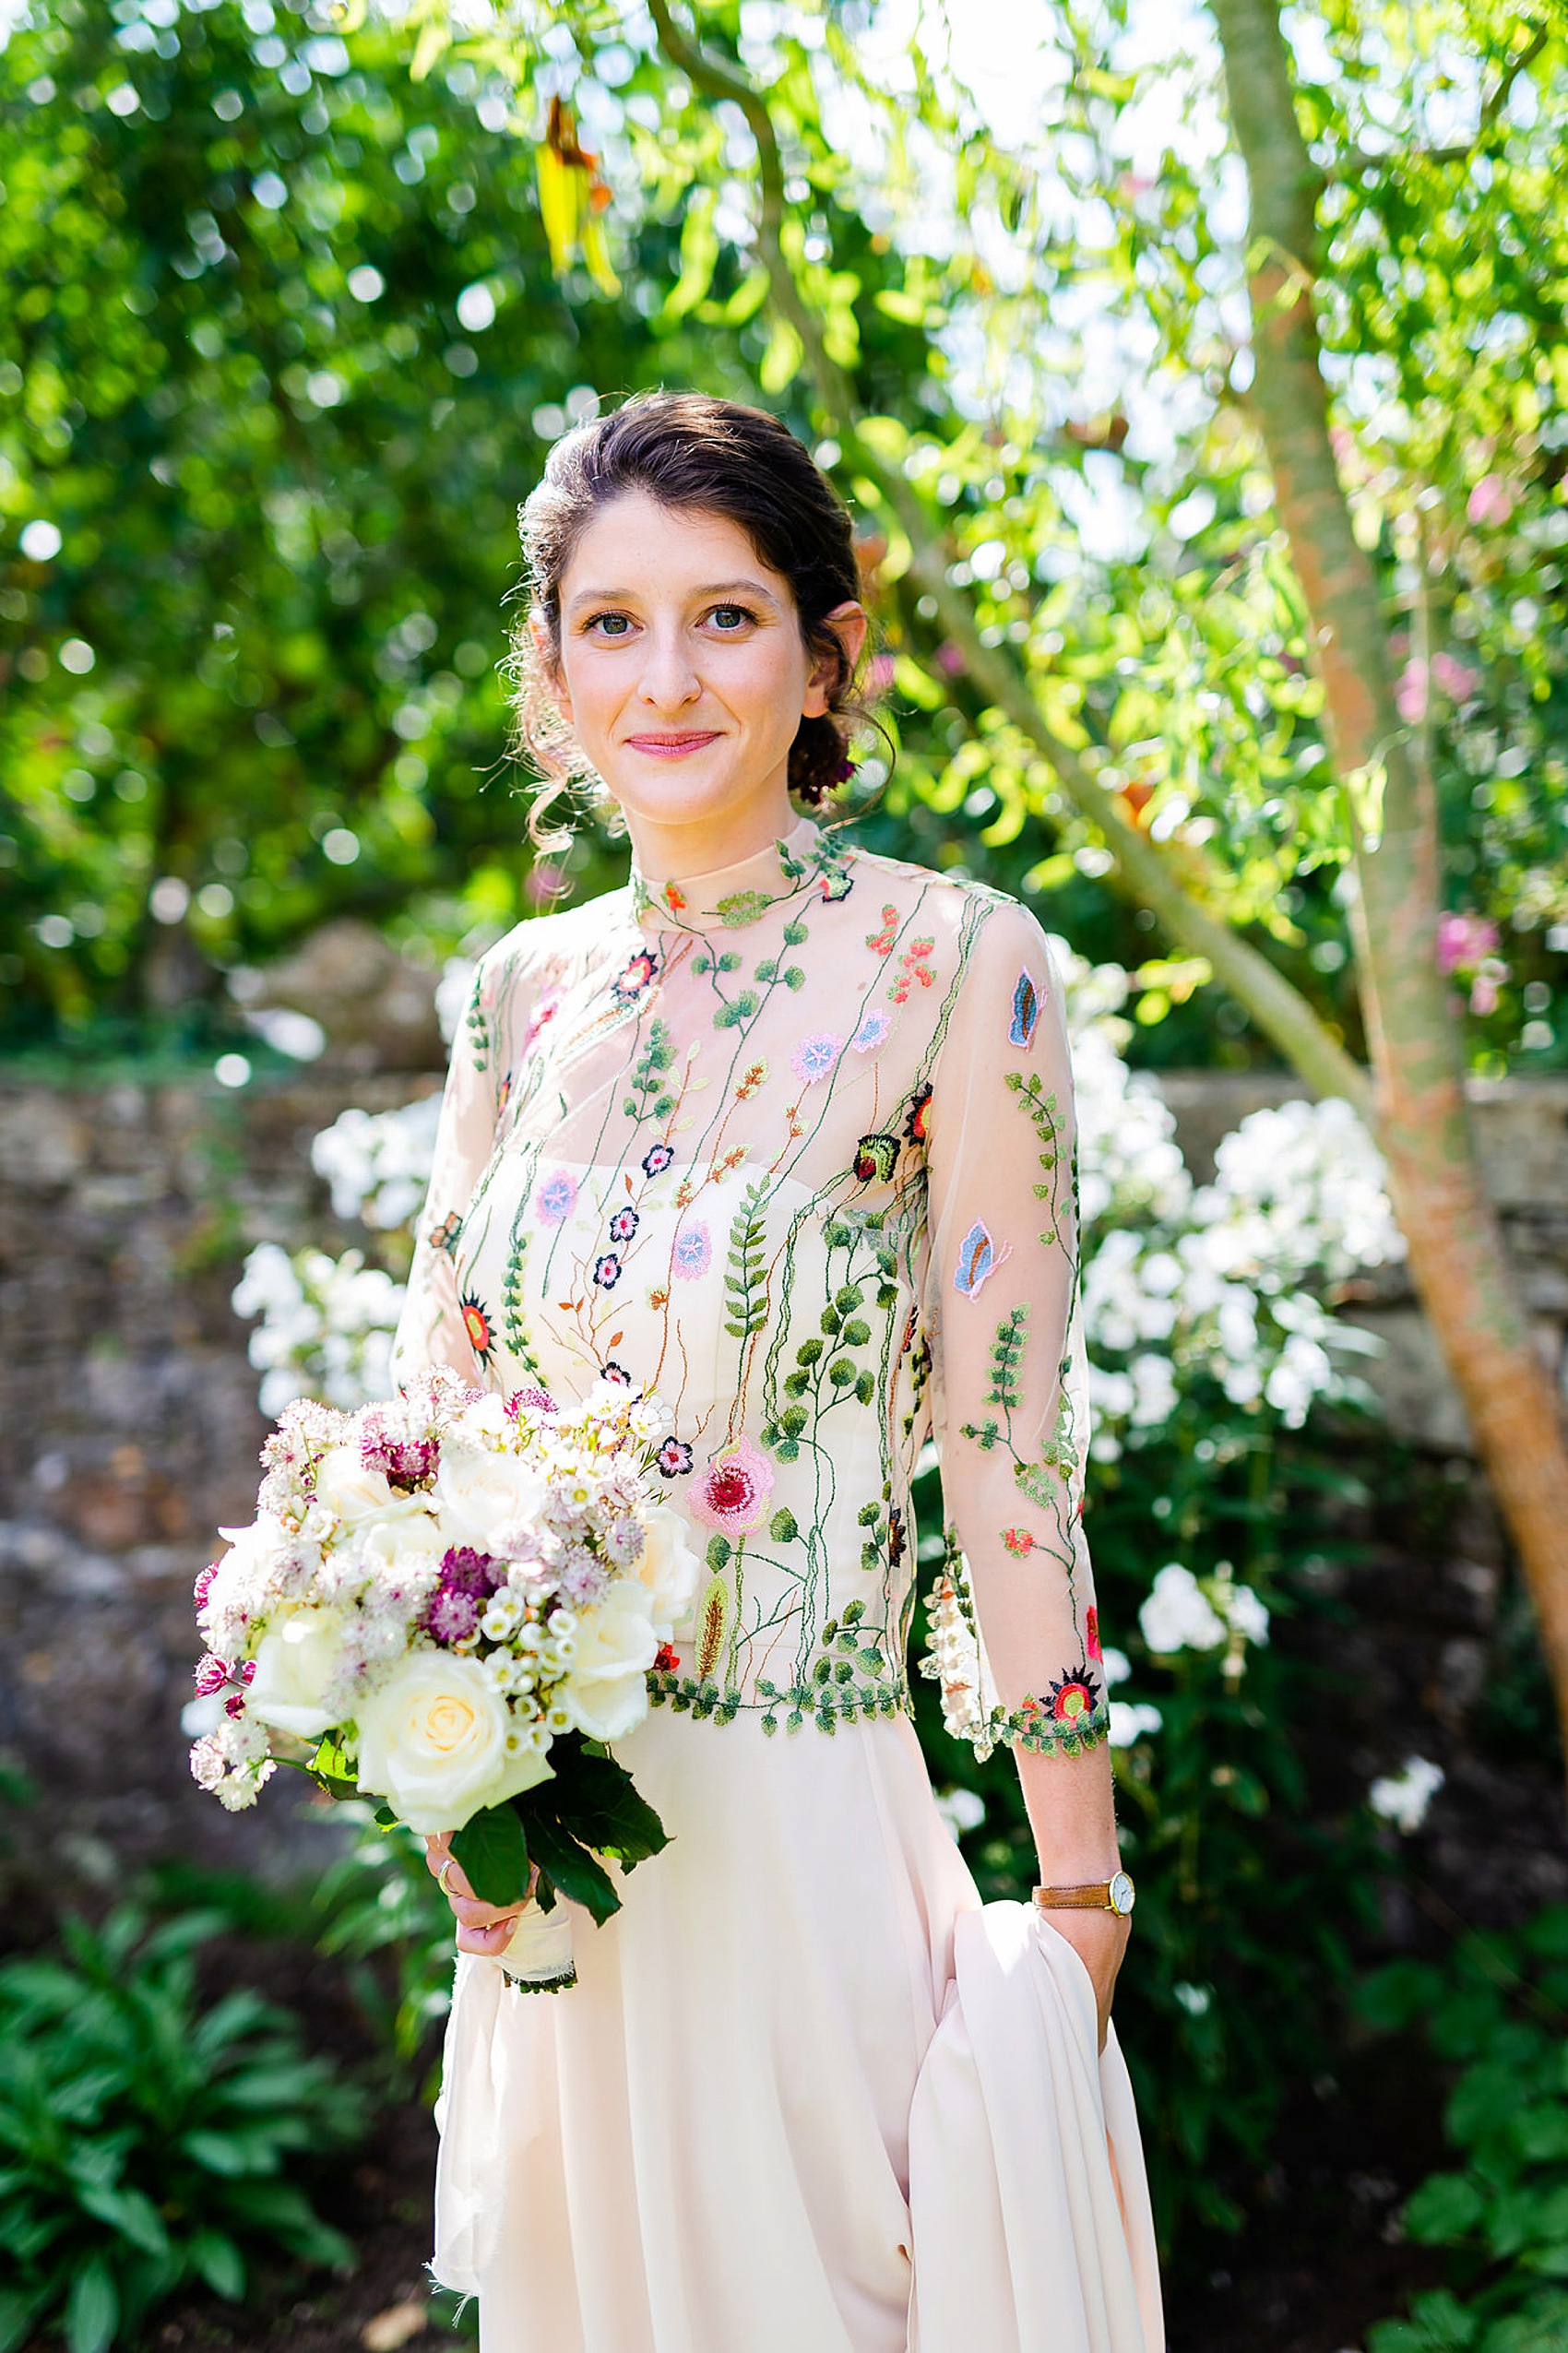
[1016, 1646]
[432, 1328]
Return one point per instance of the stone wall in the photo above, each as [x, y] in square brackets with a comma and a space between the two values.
[130, 1428]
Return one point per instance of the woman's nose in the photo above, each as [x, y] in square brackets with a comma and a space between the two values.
[669, 677]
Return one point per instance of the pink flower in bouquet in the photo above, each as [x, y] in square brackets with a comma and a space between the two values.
[405, 1457]
[732, 1492]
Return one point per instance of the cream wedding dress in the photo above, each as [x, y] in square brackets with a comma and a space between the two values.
[791, 1145]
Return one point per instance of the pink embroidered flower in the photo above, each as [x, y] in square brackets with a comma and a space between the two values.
[873, 1031]
[814, 1057]
[1092, 1632]
[692, 1252]
[557, 1198]
[732, 1492]
[543, 1013]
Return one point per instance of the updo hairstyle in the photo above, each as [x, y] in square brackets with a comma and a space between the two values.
[706, 455]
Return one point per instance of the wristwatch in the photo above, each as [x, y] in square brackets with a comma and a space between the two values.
[1114, 1894]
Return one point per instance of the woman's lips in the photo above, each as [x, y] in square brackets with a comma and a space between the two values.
[673, 747]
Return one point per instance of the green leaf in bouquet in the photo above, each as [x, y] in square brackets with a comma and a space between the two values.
[573, 1870]
[334, 1769]
[492, 1849]
[593, 1800]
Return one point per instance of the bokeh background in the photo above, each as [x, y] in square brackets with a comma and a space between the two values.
[1199, 382]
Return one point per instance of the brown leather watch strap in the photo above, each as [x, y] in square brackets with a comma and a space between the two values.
[1092, 1896]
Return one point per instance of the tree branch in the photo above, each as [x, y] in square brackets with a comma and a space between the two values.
[1146, 873]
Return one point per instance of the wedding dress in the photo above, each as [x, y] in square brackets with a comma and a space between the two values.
[791, 1145]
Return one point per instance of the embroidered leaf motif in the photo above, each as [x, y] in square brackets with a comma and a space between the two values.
[712, 1620]
[1006, 1351]
[746, 1281]
[741, 907]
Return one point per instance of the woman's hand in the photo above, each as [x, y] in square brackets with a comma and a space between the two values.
[1099, 1939]
[481, 1928]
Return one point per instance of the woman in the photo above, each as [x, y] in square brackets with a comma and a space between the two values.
[782, 1132]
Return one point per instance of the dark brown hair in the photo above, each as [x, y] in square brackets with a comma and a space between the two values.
[700, 455]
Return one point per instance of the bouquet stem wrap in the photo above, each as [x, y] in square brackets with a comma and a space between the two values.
[540, 1957]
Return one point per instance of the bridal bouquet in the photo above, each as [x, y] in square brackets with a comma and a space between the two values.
[452, 1603]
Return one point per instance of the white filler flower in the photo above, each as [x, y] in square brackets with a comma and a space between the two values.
[295, 1661]
[1403, 1798]
[437, 1741]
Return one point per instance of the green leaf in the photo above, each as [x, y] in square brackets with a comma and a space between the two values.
[131, 2213]
[575, 1872]
[220, 2262]
[92, 2308]
[1445, 2208]
[492, 1849]
[592, 1799]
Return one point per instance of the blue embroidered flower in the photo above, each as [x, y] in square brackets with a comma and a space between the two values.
[692, 1252]
[816, 1055]
[557, 1198]
[873, 1031]
[657, 1158]
[607, 1270]
[624, 1225]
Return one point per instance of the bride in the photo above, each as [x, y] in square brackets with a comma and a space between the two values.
[782, 1131]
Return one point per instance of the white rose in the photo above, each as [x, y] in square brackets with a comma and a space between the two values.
[606, 1693]
[347, 1487]
[669, 1567]
[261, 1562]
[437, 1742]
[406, 1536]
[479, 1495]
[486, 1417]
[295, 1660]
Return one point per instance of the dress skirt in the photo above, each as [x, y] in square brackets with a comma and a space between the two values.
[808, 2095]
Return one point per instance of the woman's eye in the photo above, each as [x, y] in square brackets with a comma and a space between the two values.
[727, 618]
[610, 625]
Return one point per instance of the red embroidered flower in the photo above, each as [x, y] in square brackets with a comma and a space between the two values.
[667, 1658]
[881, 943]
[1074, 1697]
[914, 1118]
[637, 974]
[476, 1322]
[733, 1491]
[1091, 1633]
[1017, 1540]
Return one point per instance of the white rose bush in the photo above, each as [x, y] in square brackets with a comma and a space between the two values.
[450, 1602]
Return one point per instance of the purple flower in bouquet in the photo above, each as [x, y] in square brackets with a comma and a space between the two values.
[468, 1580]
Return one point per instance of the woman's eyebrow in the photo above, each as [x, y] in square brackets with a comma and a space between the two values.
[714, 588]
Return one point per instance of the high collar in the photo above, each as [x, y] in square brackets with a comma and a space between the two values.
[727, 897]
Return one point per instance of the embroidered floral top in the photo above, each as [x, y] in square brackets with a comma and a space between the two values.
[791, 1145]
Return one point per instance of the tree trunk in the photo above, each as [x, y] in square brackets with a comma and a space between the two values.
[1457, 1253]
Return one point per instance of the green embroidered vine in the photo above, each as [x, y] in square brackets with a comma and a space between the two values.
[647, 1076]
[745, 1282]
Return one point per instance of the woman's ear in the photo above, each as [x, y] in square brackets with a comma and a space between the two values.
[551, 667]
[848, 624]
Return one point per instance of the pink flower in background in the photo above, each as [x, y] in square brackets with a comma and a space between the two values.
[1464, 940]
[1484, 989]
[1454, 678]
[949, 658]
[732, 1492]
[1411, 693]
[1491, 500]
[545, 882]
[880, 675]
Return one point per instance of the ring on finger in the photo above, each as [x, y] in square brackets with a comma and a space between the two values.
[445, 1867]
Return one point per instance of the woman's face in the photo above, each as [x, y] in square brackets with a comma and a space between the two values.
[684, 674]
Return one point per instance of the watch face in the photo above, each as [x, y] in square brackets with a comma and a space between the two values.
[1122, 1893]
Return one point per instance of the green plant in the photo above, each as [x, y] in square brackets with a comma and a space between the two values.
[379, 1899]
[145, 2141]
[1495, 2014]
